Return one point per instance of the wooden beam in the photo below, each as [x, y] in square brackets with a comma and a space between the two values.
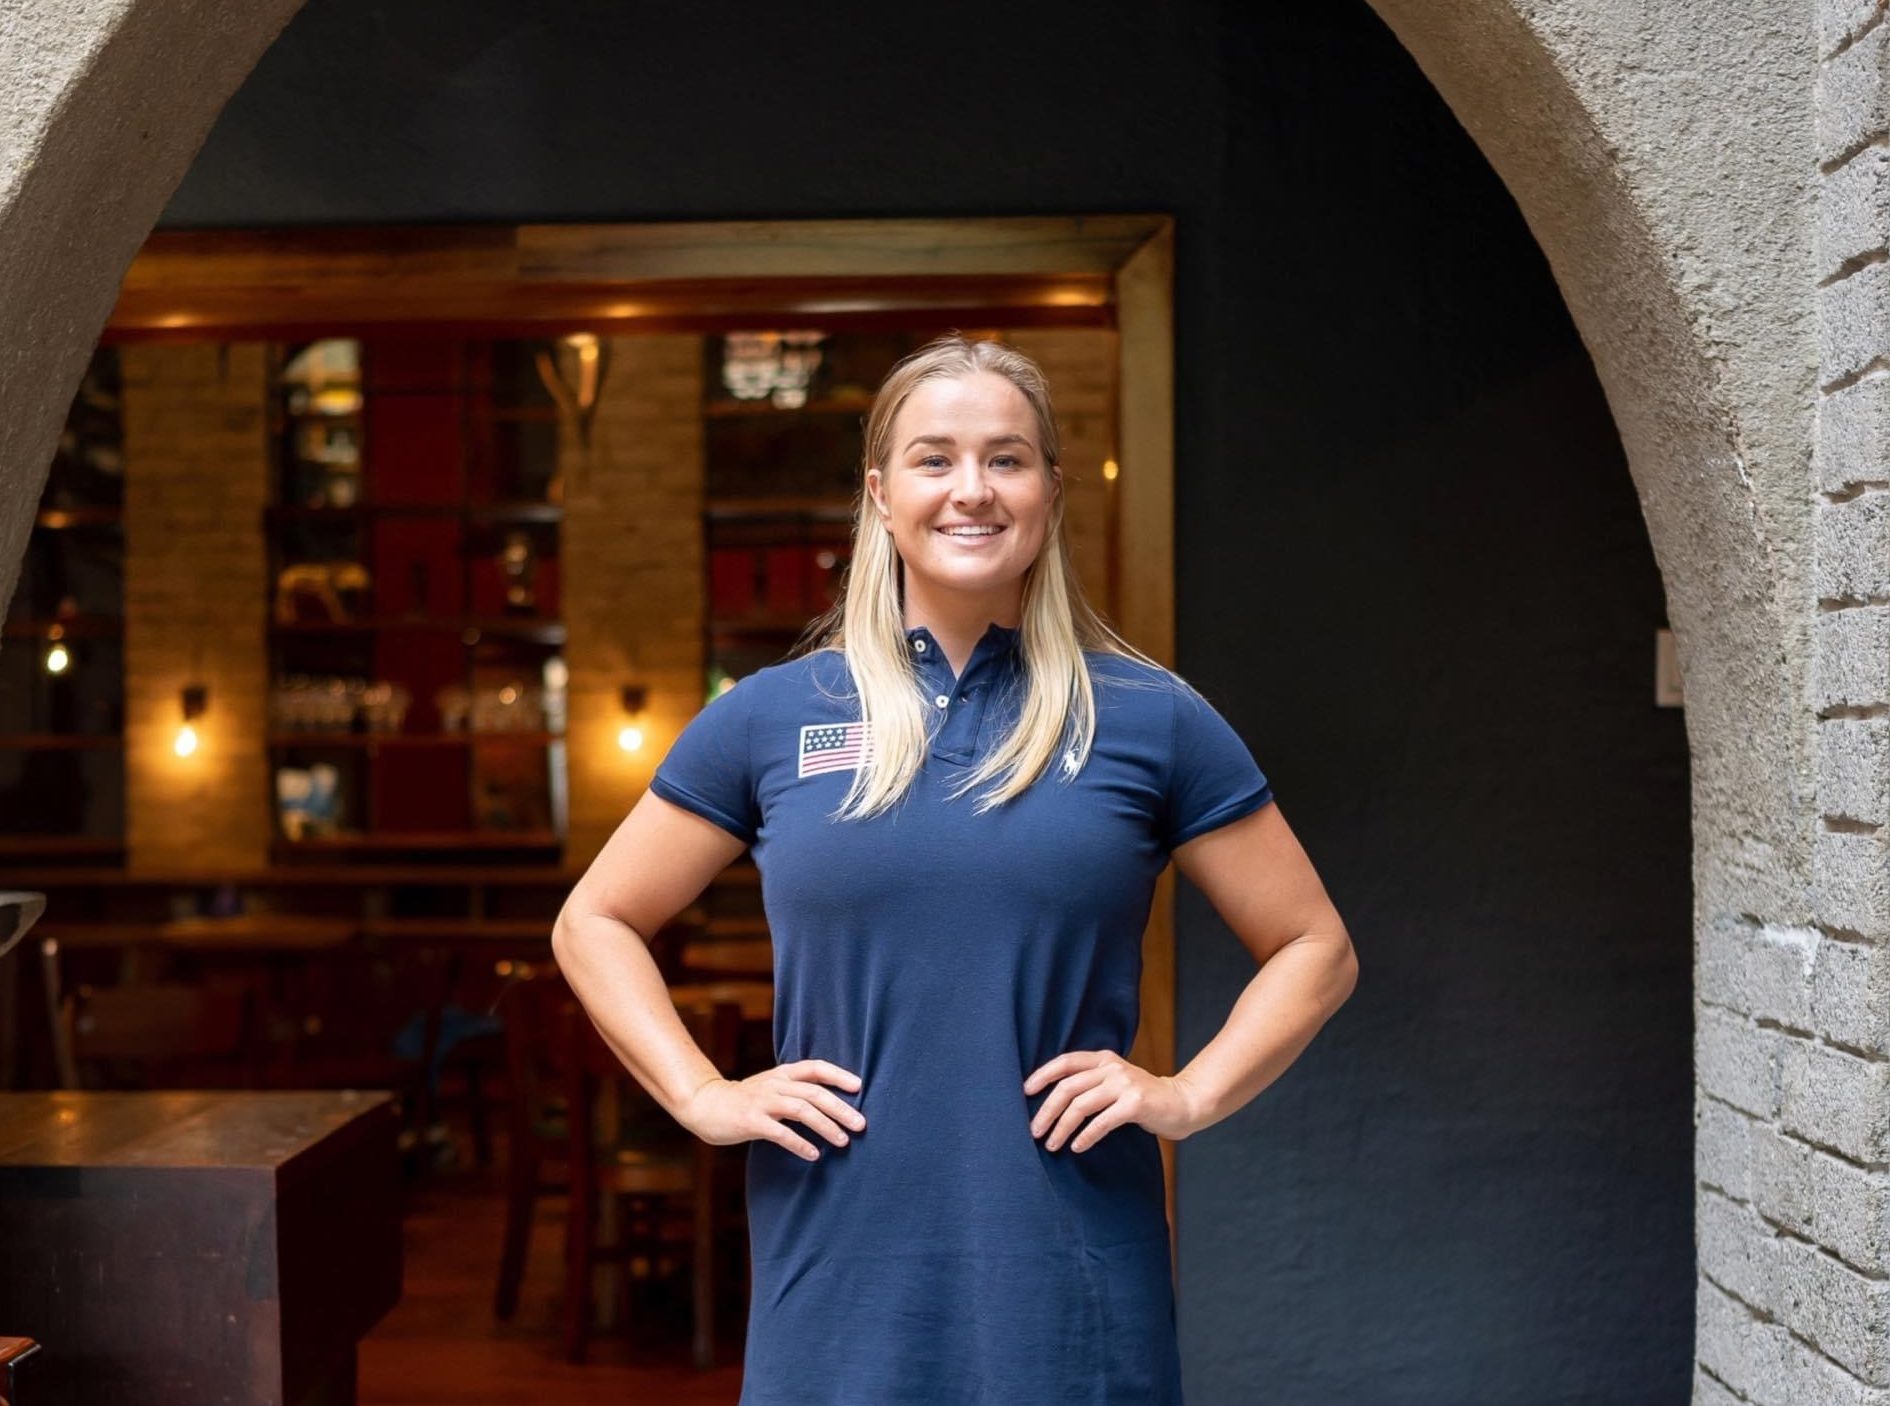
[544, 279]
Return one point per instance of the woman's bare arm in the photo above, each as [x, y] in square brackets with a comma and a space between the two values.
[1260, 881]
[657, 862]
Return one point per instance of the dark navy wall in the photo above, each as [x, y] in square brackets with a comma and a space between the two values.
[1412, 571]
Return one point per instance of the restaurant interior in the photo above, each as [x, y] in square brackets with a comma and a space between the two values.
[373, 574]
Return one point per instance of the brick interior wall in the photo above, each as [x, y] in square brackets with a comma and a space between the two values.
[195, 566]
[633, 583]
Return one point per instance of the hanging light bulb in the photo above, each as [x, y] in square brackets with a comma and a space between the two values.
[58, 659]
[630, 735]
[195, 698]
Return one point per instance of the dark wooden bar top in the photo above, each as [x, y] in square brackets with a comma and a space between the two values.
[197, 1246]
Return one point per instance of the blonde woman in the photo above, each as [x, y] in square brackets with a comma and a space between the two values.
[959, 798]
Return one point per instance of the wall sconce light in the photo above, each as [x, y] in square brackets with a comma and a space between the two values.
[195, 698]
[58, 657]
[630, 736]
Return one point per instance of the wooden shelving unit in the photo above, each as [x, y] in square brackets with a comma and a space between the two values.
[782, 482]
[62, 688]
[415, 544]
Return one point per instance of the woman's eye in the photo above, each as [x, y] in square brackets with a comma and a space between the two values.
[1005, 461]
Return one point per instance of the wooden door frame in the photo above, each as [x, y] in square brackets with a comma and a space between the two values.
[1079, 270]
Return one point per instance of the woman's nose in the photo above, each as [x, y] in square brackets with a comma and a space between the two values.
[971, 485]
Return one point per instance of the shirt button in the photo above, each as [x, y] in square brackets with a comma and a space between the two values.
[919, 645]
[941, 700]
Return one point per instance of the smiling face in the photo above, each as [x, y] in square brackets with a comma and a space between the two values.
[967, 496]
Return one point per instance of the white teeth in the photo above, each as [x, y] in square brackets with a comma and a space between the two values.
[969, 531]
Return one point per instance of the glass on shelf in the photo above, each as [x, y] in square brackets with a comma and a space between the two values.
[304, 704]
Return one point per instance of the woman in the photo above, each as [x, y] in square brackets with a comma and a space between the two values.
[959, 800]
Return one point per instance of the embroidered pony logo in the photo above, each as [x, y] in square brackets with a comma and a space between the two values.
[834, 747]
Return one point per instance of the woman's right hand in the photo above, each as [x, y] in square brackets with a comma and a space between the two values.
[726, 1111]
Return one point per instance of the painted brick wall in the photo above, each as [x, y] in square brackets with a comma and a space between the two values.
[633, 583]
[1792, 1042]
[195, 566]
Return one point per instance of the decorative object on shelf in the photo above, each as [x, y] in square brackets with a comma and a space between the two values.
[630, 735]
[323, 405]
[577, 395]
[194, 698]
[455, 704]
[557, 676]
[308, 801]
[518, 568]
[778, 365]
[323, 583]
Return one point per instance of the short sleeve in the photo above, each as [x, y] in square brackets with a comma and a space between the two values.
[1213, 779]
[708, 770]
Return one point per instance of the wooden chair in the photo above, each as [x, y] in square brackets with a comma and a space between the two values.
[156, 1035]
[648, 1161]
[358, 999]
[536, 1140]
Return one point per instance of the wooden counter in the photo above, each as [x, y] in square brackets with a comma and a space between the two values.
[196, 1247]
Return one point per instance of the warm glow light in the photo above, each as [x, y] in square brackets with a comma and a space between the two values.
[1110, 470]
[630, 738]
[186, 742]
[57, 659]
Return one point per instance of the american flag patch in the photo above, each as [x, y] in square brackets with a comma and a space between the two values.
[833, 747]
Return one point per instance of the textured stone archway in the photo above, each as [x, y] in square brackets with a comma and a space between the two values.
[1706, 181]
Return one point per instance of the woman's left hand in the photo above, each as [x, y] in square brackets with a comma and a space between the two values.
[1103, 1083]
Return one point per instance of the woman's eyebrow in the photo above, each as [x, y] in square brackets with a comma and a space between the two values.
[947, 439]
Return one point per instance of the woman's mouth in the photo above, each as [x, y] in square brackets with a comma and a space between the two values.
[973, 536]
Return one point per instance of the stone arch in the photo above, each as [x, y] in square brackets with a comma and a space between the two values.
[1664, 157]
[104, 108]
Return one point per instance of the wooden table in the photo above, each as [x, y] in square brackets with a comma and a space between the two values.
[194, 1247]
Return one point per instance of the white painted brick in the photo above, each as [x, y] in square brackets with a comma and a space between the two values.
[1708, 1392]
[1781, 1179]
[1838, 20]
[1835, 1099]
[1853, 99]
[1844, 1313]
[1853, 322]
[1723, 1141]
[1854, 209]
[1849, 1210]
[1853, 554]
[1737, 1061]
[1852, 656]
[1737, 1250]
[1854, 435]
[1723, 1332]
[1854, 769]
[1852, 888]
[1763, 972]
[1850, 995]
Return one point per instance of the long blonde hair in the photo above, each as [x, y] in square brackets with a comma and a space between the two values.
[1058, 717]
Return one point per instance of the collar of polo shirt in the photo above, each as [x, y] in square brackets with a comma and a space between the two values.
[999, 638]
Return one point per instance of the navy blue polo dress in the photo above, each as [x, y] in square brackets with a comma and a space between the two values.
[944, 1256]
